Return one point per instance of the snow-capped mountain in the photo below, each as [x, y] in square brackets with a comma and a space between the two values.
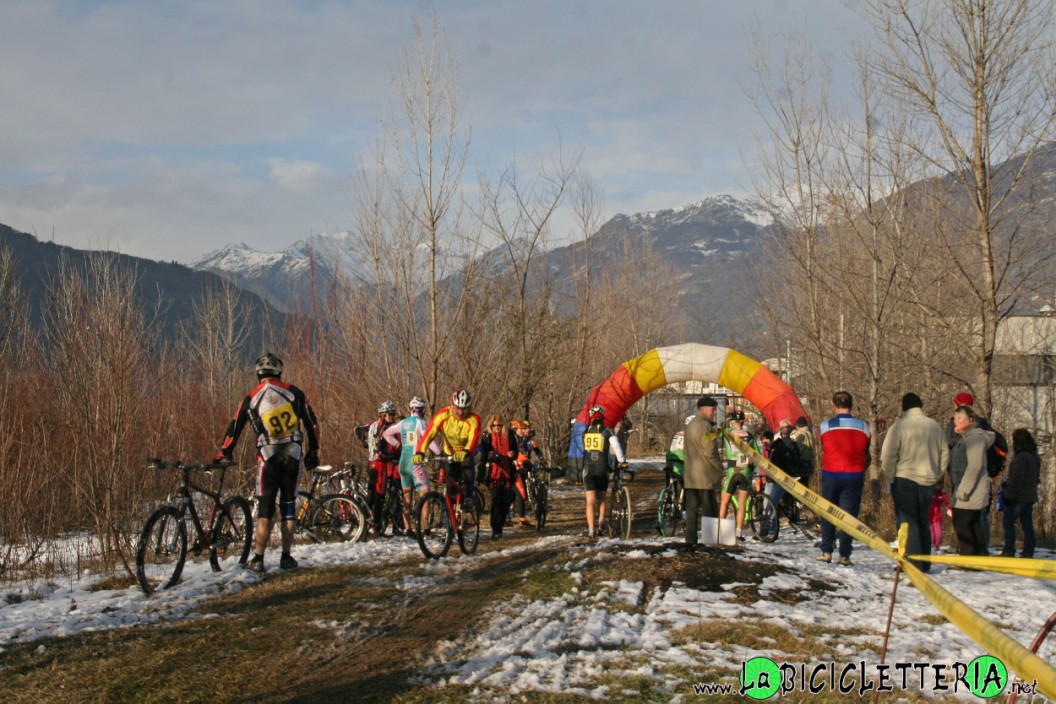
[707, 243]
[285, 278]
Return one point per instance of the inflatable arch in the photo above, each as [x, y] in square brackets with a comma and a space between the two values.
[690, 362]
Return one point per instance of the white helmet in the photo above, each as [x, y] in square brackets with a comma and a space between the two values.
[386, 407]
[461, 399]
[417, 406]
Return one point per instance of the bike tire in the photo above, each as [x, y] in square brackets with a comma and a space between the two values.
[338, 519]
[433, 526]
[763, 516]
[668, 514]
[469, 528]
[620, 514]
[364, 509]
[162, 550]
[542, 506]
[393, 514]
[231, 533]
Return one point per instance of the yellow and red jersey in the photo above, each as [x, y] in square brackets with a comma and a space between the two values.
[454, 433]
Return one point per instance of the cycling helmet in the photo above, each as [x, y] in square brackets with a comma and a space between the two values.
[269, 365]
[689, 418]
[418, 406]
[386, 407]
[518, 424]
[735, 414]
[461, 399]
[596, 413]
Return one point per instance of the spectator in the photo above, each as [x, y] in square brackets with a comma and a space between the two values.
[703, 468]
[1021, 492]
[804, 438]
[912, 458]
[971, 486]
[845, 457]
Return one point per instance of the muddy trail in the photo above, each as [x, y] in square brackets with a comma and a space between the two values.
[364, 632]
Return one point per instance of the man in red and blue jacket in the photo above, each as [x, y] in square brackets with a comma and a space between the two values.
[845, 457]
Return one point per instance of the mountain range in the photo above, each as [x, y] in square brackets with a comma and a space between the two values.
[707, 244]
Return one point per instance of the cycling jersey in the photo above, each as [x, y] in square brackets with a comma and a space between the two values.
[406, 434]
[453, 433]
[295, 418]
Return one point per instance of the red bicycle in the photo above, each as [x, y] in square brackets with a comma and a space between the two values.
[442, 514]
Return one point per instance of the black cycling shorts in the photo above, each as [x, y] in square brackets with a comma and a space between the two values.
[277, 478]
[739, 481]
[596, 482]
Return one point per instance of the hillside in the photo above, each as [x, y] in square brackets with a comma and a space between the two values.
[167, 287]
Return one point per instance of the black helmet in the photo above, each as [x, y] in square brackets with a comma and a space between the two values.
[735, 414]
[269, 365]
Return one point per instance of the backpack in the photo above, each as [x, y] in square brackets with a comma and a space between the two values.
[272, 413]
[996, 454]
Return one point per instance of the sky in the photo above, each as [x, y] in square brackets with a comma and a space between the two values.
[582, 640]
[166, 130]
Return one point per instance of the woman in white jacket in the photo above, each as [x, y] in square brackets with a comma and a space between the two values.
[971, 485]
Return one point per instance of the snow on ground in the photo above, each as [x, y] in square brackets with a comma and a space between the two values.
[618, 628]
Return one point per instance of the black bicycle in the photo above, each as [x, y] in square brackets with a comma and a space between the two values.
[537, 486]
[620, 512]
[670, 506]
[225, 531]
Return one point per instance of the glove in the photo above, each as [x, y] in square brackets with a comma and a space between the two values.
[417, 458]
[222, 457]
[459, 456]
[311, 460]
[622, 466]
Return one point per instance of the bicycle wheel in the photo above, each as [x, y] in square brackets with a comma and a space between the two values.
[394, 512]
[231, 534]
[763, 517]
[162, 550]
[542, 506]
[364, 510]
[668, 513]
[469, 528]
[483, 497]
[1044, 647]
[620, 514]
[433, 525]
[337, 519]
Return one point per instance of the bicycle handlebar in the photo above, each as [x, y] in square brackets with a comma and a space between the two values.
[159, 464]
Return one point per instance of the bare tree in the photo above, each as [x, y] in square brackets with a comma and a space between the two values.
[980, 74]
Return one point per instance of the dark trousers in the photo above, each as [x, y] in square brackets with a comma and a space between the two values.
[845, 490]
[501, 495]
[699, 503]
[969, 529]
[1024, 513]
[912, 502]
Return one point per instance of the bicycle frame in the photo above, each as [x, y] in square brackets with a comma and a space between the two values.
[187, 485]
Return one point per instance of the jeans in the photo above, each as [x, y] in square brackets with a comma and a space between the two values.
[912, 501]
[1024, 513]
[969, 527]
[845, 490]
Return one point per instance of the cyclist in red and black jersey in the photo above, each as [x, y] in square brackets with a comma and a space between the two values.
[287, 439]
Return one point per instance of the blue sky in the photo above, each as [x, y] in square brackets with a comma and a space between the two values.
[166, 130]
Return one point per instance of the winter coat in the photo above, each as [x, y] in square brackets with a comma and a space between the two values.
[914, 449]
[1023, 476]
[971, 485]
[703, 466]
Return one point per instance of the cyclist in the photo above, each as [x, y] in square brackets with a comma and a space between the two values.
[599, 446]
[498, 448]
[287, 439]
[458, 429]
[739, 469]
[405, 434]
[382, 462]
[675, 457]
[526, 445]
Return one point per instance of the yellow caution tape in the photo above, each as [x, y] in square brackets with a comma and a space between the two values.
[995, 641]
[1022, 566]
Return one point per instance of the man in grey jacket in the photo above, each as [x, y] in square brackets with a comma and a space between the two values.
[913, 458]
[703, 468]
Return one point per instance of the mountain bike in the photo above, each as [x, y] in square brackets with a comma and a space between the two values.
[163, 548]
[446, 512]
[671, 506]
[341, 520]
[537, 487]
[620, 512]
[799, 515]
[760, 511]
